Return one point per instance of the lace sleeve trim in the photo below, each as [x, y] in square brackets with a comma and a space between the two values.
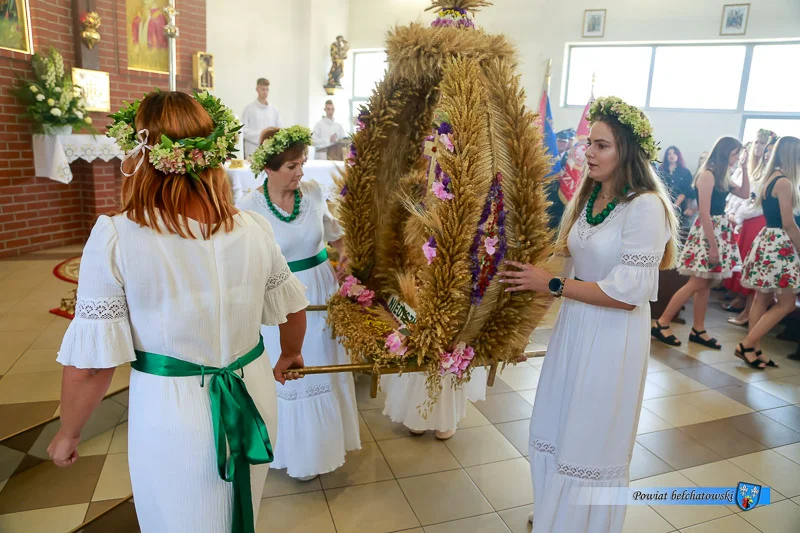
[649, 260]
[107, 309]
[279, 278]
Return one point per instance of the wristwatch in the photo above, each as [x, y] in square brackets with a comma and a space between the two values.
[556, 286]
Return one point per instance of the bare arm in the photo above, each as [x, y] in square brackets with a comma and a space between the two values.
[705, 187]
[293, 331]
[743, 191]
[592, 294]
[82, 390]
[537, 279]
[783, 191]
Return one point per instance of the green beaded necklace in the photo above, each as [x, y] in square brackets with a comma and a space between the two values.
[597, 220]
[280, 216]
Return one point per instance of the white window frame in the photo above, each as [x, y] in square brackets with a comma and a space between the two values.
[740, 109]
[358, 100]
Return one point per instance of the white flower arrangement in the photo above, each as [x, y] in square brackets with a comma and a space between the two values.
[51, 99]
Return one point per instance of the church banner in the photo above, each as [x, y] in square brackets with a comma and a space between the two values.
[148, 48]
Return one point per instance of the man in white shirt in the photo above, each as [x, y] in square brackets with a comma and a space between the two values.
[257, 117]
[328, 135]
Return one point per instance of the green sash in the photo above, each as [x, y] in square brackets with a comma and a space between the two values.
[238, 426]
[309, 262]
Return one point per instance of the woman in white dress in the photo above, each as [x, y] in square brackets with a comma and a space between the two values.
[618, 230]
[318, 416]
[178, 284]
[406, 394]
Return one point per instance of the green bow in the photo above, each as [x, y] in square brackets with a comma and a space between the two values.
[238, 425]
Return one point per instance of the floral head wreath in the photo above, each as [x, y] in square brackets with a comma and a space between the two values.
[630, 117]
[277, 144]
[771, 136]
[179, 156]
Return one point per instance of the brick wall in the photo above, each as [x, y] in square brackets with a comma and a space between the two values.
[38, 213]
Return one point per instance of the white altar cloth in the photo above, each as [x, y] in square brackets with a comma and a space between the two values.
[52, 154]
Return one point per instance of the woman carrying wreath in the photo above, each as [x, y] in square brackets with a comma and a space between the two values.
[317, 416]
[178, 284]
[618, 230]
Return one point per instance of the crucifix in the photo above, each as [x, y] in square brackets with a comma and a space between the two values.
[429, 153]
[172, 33]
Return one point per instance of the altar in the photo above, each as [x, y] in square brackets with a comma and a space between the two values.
[243, 180]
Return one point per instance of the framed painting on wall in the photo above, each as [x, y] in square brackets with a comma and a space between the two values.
[734, 19]
[15, 26]
[594, 22]
[148, 46]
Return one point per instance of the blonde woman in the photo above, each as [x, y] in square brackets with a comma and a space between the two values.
[619, 230]
[710, 251]
[772, 268]
[178, 284]
[749, 220]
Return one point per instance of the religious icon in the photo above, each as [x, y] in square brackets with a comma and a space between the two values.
[339, 50]
[15, 26]
[148, 46]
[203, 69]
[90, 23]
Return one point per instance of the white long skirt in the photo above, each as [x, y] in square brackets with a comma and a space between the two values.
[406, 393]
[171, 453]
[317, 415]
[586, 414]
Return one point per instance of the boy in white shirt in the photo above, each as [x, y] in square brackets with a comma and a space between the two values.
[257, 117]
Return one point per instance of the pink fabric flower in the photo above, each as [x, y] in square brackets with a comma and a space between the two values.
[441, 192]
[447, 142]
[429, 249]
[347, 285]
[396, 343]
[457, 361]
[490, 244]
[365, 298]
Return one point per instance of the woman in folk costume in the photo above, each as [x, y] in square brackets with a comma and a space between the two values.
[710, 252]
[772, 268]
[178, 284]
[619, 230]
[318, 416]
[748, 219]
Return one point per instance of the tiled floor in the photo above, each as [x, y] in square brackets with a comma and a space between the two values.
[707, 420]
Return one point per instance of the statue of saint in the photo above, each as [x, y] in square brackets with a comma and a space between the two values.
[339, 51]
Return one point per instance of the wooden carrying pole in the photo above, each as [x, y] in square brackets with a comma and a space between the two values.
[369, 368]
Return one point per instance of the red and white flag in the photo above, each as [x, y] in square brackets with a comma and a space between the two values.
[571, 174]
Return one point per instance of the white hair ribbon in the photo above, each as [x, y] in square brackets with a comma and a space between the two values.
[140, 149]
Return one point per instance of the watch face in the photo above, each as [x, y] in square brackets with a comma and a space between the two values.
[554, 285]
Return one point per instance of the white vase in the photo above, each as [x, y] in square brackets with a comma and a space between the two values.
[58, 130]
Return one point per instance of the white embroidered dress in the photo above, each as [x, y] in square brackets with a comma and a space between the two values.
[201, 301]
[587, 404]
[317, 415]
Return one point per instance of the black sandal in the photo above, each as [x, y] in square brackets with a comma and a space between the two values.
[656, 330]
[740, 353]
[771, 363]
[696, 338]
